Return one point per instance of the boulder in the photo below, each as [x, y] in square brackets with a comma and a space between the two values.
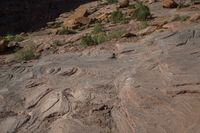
[169, 4]
[79, 17]
[123, 3]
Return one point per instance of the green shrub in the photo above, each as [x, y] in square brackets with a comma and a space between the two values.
[114, 35]
[87, 40]
[17, 38]
[98, 28]
[144, 24]
[142, 12]
[100, 38]
[65, 31]
[27, 53]
[94, 39]
[57, 43]
[182, 5]
[117, 17]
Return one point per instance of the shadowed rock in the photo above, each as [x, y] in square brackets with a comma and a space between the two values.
[29, 15]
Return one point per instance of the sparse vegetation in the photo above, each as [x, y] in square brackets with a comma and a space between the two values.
[144, 24]
[65, 31]
[142, 12]
[182, 5]
[98, 28]
[27, 53]
[109, 1]
[94, 39]
[57, 43]
[87, 41]
[114, 35]
[17, 38]
[98, 36]
[118, 17]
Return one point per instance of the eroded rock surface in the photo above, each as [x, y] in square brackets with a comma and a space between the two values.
[152, 86]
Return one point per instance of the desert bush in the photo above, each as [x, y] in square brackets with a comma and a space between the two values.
[98, 28]
[98, 36]
[27, 53]
[17, 38]
[65, 31]
[94, 39]
[87, 40]
[117, 17]
[142, 12]
[114, 35]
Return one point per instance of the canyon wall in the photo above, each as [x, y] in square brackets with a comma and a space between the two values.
[28, 15]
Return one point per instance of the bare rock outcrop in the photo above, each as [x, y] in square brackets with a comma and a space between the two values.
[150, 86]
[169, 4]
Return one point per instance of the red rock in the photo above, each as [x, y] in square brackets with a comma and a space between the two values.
[195, 17]
[78, 17]
[173, 26]
[147, 30]
[169, 4]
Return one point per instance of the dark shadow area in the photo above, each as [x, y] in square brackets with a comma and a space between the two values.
[29, 15]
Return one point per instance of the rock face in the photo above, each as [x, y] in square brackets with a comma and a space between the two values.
[151, 86]
[169, 4]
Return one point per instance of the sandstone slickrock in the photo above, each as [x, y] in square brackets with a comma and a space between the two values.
[104, 12]
[173, 25]
[151, 86]
[147, 30]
